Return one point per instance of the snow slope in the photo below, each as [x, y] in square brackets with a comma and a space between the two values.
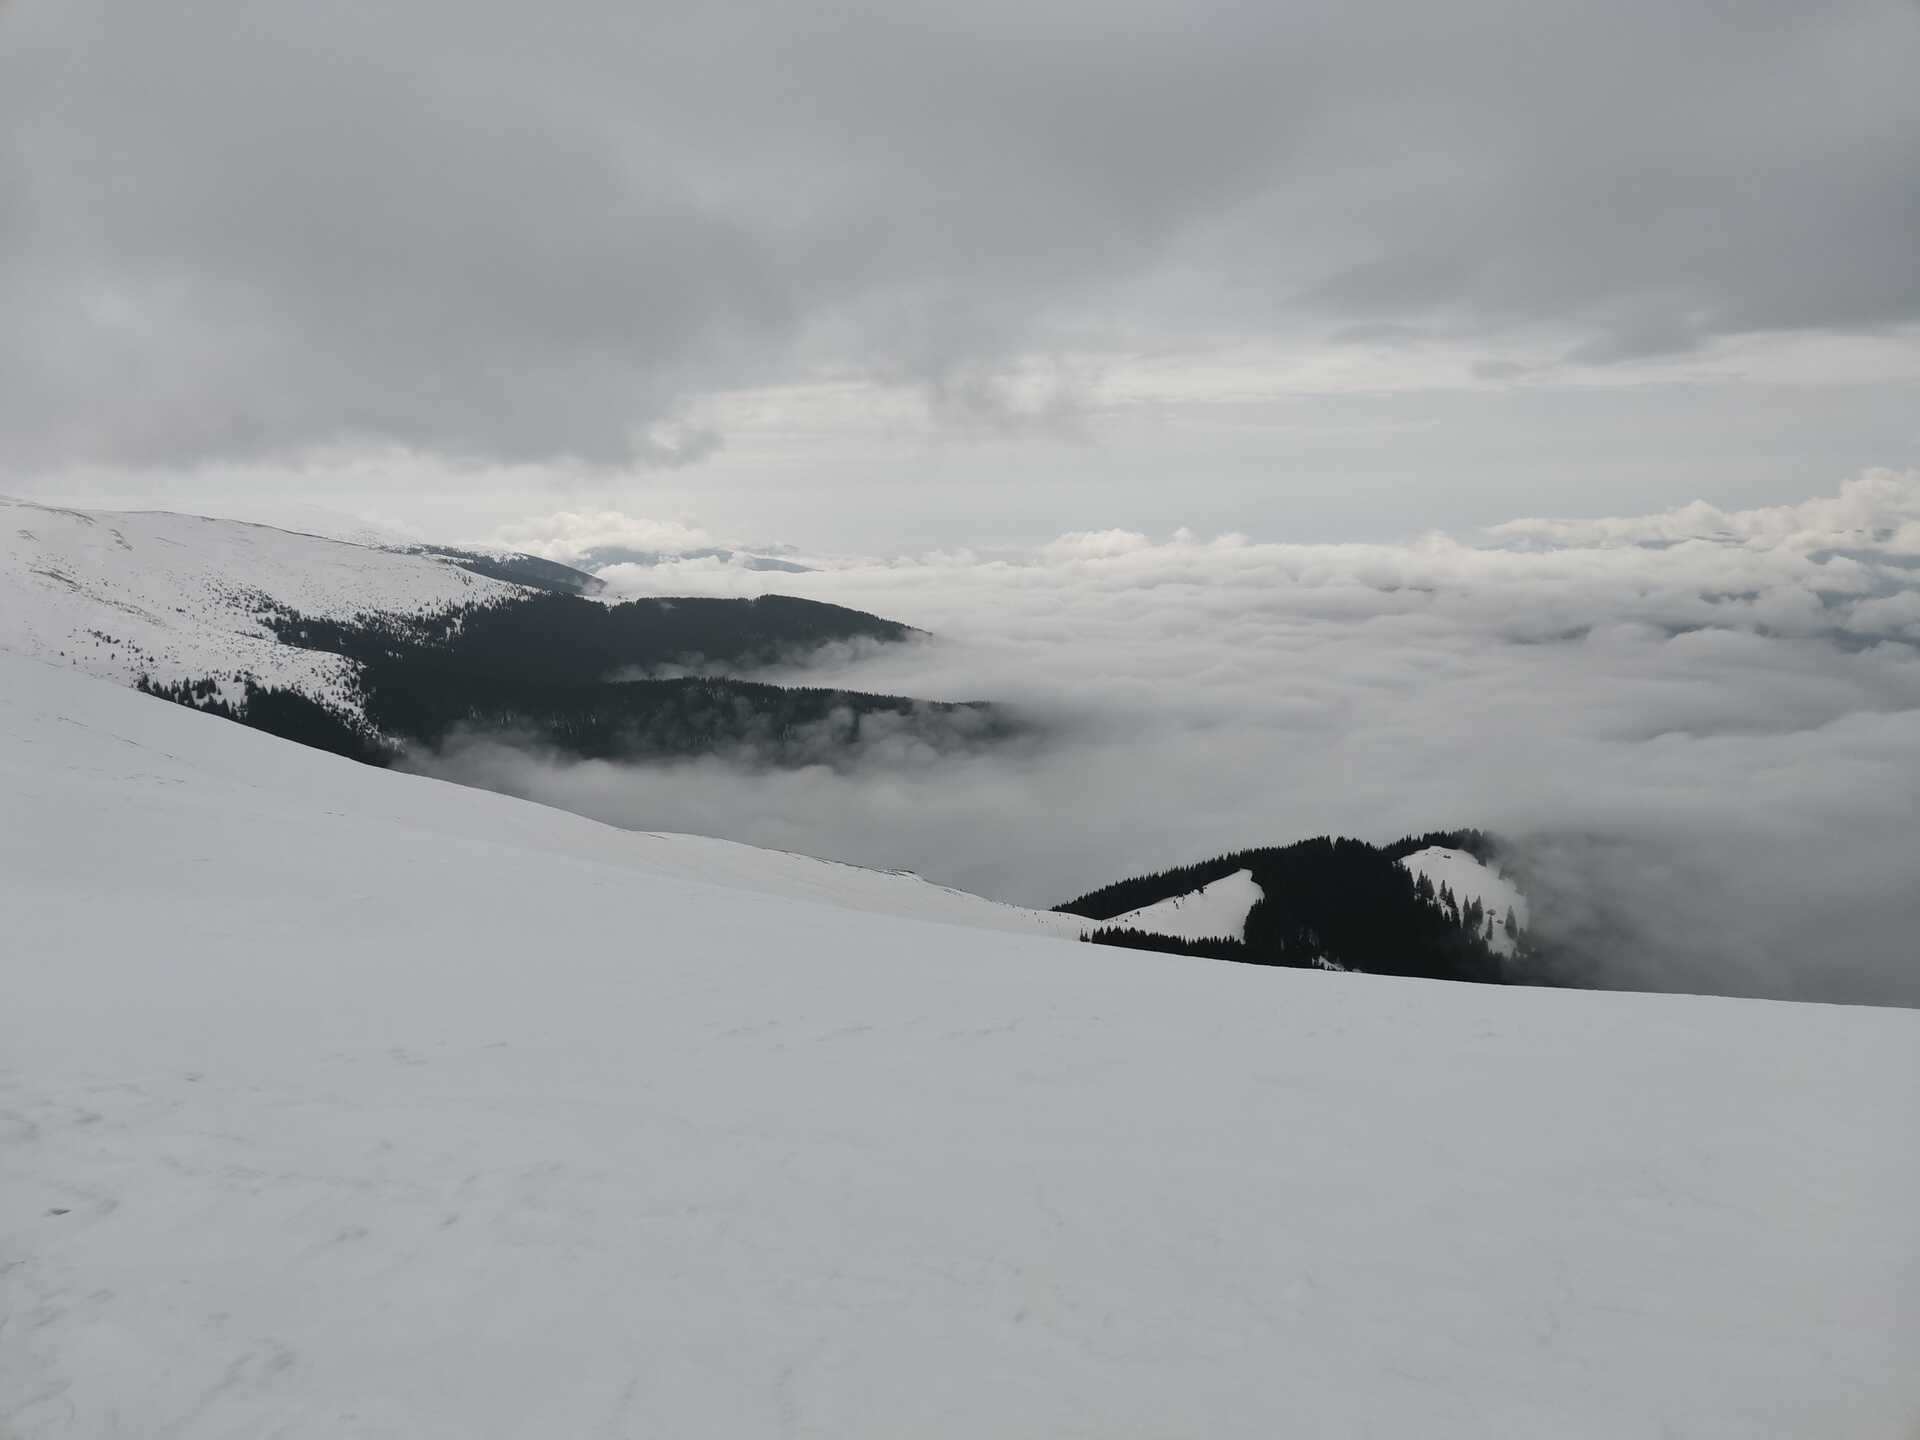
[1470, 880]
[1216, 910]
[122, 594]
[337, 1102]
[307, 518]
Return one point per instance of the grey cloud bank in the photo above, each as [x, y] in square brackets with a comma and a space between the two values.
[490, 231]
[1703, 726]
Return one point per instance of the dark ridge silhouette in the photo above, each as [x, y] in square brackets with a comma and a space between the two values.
[543, 670]
[1333, 900]
[564, 639]
[517, 569]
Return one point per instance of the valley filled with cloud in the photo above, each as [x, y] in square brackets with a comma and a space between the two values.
[1698, 729]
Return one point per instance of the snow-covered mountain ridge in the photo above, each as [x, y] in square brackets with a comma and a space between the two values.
[1218, 908]
[1469, 879]
[1334, 902]
[121, 595]
[370, 650]
[339, 1102]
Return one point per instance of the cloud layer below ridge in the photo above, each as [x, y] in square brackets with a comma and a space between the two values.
[1703, 726]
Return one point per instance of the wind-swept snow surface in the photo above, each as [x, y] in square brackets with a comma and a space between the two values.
[342, 1103]
[1213, 911]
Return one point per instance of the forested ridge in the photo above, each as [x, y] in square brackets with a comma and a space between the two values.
[575, 675]
[564, 639]
[515, 568]
[1332, 901]
[285, 713]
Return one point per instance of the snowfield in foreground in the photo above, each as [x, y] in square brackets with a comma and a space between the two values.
[344, 1103]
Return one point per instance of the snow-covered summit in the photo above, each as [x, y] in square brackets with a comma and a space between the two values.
[1215, 911]
[1469, 879]
[121, 594]
[339, 1102]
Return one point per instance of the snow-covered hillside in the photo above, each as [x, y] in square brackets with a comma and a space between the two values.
[1213, 911]
[339, 1102]
[125, 594]
[1468, 879]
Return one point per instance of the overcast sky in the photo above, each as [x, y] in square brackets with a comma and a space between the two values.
[891, 275]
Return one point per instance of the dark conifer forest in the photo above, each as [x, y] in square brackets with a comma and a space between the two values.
[1331, 901]
[565, 639]
[285, 713]
[577, 676]
[516, 569]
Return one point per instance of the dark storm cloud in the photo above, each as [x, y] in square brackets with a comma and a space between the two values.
[522, 232]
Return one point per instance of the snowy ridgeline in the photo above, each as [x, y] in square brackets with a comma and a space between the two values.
[176, 597]
[339, 1102]
[1212, 912]
[1468, 879]
[1220, 909]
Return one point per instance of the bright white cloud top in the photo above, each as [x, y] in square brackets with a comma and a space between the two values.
[341, 1102]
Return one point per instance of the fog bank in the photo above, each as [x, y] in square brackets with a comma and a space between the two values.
[1701, 728]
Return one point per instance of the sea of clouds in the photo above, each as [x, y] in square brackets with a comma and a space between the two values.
[1699, 730]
